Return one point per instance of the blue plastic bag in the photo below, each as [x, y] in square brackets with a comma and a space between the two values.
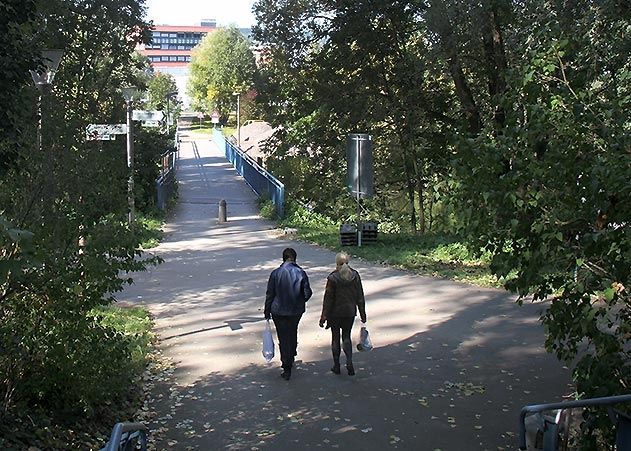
[268, 343]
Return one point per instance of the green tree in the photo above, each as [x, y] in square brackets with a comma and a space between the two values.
[327, 75]
[64, 245]
[160, 87]
[221, 65]
[509, 118]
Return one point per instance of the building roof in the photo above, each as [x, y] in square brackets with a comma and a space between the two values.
[188, 28]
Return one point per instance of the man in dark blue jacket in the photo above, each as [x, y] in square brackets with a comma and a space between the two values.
[287, 292]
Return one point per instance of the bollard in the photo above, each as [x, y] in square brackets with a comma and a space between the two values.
[223, 217]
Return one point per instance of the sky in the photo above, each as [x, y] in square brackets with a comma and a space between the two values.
[191, 12]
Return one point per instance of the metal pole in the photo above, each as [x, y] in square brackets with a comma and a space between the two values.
[168, 113]
[39, 122]
[359, 184]
[239, 121]
[130, 165]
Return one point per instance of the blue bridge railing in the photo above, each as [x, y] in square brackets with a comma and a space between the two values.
[262, 182]
[165, 183]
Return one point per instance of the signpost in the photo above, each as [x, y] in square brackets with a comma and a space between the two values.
[104, 132]
[145, 116]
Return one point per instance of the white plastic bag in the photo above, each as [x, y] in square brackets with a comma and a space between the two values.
[365, 344]
[268, 343]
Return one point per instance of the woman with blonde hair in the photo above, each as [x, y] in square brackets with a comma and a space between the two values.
[343, 296]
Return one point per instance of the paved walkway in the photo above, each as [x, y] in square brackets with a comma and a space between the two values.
[453, 363]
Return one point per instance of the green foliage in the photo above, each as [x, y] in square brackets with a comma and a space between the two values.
[149, 145]
[124, 342]
[431, 254]
[150, 229]
[65, 247]
[505, 122]
[160, 87]
[268, 209]
[221, 65]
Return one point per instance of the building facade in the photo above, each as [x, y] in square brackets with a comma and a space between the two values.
[170, 51]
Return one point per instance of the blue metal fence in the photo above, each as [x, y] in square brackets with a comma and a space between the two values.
[262, 182]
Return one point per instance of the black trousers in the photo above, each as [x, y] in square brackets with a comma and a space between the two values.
[343, 325]
[287, 331]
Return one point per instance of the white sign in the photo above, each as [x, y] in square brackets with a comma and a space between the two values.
[151, 124]
[97, 137]
[214, 118]
[142, 115]
[106, 129]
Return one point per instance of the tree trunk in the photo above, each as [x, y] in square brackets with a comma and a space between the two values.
[410, 191]
[444, 29]
[420, 192]
[495, 60]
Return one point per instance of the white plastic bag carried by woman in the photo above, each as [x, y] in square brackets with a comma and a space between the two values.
[365, 343]
[268, 343]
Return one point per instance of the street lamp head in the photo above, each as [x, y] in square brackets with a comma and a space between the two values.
[45, 73]
[129, 93]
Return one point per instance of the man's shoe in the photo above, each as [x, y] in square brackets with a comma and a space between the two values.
[350, 369]
[286, 374]
[336, 368]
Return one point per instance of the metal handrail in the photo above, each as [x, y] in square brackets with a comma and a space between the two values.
[536, 408]
[274, 188]
[114, 444]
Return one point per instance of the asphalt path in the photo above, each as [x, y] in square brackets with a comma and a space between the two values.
[452, 365]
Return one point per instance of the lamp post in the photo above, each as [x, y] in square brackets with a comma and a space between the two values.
[43, 78]
[169, 96]
[238, 94]
[129, 93]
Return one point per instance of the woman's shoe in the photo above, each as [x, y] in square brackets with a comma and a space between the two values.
[350, 369]
[336, 368]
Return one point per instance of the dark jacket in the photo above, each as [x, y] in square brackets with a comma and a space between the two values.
[287, 291]
[342, 297]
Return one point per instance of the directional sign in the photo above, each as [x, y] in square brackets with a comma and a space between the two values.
[106, 129]
[151, 124]
[142, 115]
[97, 137]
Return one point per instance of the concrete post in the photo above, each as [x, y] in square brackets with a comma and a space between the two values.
[223, 216]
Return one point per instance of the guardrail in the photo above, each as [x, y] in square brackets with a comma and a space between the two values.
[621, 421]
[127, 436]
[262, 182]
[165, 183]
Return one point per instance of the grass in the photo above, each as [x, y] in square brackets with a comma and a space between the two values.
[34, 425]
[433, 255]
[136, 324]
[150, 229]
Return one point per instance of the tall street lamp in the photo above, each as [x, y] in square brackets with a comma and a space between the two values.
[43, 78]
[129, 93]
[238, 94]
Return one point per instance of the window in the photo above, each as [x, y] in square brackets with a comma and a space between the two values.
[172, 58]
[164, 58]
[173, 35]
[188, 58]
[181, 58]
